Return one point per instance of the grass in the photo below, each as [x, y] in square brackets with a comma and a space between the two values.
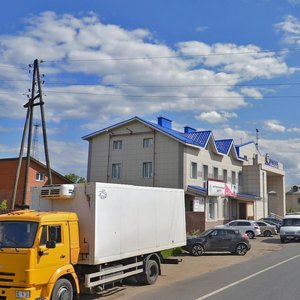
[171, 252]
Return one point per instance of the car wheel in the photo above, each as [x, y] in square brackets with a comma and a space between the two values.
[197, 250]
[250, 234]
[241, 249]
[267, 233]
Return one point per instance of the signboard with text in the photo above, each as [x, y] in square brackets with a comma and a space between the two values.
[215, 188]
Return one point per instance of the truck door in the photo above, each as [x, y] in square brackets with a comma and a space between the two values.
[50, 259]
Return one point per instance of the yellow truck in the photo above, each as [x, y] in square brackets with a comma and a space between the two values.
[83, 237]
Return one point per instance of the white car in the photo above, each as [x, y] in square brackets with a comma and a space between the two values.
[290, 228]
[251, 228]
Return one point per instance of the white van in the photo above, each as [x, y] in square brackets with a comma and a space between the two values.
[290, 228]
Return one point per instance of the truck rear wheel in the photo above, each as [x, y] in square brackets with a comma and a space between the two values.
[62, 290]
[151, 272]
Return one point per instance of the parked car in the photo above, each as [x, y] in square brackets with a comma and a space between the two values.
[272, 221]
[245, 226]
[290, 228]
[218, 240]
[266, 228]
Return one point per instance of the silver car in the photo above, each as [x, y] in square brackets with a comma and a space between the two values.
[266, 228]
[251, 228]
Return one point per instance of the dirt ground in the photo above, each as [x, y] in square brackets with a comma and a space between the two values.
[192, 266]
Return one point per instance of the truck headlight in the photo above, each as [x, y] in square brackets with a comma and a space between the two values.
[23, 294]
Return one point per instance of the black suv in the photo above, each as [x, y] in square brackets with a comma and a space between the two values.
[218, 240]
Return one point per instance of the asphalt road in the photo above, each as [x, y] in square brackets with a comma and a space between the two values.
[190, 270]
[274, 276]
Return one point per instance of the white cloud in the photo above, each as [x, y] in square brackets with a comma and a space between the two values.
[202, 28]
[126, 87]
[294, 129]
[69, 157]
[293, 2]
[216, 117]
[274, 126]
[252, 92]
[290, 27]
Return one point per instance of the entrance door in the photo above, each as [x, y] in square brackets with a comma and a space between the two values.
[243, 211]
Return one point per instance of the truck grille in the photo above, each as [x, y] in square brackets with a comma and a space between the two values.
[6, 277]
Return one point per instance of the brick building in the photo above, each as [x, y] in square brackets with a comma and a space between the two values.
[37, 176]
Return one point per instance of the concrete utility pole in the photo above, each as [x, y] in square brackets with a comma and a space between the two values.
[35, 95]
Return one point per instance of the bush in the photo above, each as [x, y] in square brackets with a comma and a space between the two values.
[171, 252]
[3, 204]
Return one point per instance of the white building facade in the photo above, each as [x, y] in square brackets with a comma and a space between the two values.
[222, 181]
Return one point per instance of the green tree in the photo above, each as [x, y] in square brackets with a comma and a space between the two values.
[3, 204]
[75, 178]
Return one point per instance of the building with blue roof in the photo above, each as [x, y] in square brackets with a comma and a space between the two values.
[222, 181]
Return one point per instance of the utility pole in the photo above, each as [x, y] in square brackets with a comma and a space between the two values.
[36, 99]
[35, 149]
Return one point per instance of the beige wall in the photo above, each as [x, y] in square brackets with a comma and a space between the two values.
[292, 201]
[164, 154]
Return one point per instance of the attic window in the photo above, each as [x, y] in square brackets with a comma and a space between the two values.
[39, 176]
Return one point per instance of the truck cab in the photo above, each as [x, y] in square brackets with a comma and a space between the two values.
[37, 254]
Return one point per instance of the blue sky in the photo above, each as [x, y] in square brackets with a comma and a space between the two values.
[231, 66]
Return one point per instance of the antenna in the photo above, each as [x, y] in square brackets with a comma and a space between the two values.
[256, 144]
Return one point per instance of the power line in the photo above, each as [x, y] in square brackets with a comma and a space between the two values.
[172, 56]
[165, 96]
[158, 85]
[173, 85]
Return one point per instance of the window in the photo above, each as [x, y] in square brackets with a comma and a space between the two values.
[116, 171]
[147, 170]
[147, 143]
[212, 209]
[225, 208]
[194, 170]
[205, 172]
[240, 178]
[216, 173]
[39, 176]
[117, 145]
[233, 177]
[51, 233]
[225, 175]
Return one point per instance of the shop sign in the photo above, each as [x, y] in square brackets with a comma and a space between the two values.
[271, 162]
[198, 204]
[216, 188]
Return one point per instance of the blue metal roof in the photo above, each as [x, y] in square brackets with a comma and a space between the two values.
[224, 146]
[197, 138]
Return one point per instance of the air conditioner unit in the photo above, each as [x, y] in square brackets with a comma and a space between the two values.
[60, 191]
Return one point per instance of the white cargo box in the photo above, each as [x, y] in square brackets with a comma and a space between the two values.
[118, 221]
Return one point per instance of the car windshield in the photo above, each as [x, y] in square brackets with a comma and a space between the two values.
[207, 232]
[291, 222]
[17, 234]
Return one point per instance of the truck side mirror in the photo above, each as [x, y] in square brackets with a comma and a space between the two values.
[50, 244]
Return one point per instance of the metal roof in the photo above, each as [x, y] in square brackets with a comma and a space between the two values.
[197, 138]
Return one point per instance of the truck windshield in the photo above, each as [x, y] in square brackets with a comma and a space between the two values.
[17, 234]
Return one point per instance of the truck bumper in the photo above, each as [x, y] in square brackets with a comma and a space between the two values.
[8, 293]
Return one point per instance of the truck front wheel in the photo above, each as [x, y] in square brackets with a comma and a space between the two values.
[151, 272]
[62, 290]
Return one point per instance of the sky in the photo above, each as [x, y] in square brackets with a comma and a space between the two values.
[230, 66]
